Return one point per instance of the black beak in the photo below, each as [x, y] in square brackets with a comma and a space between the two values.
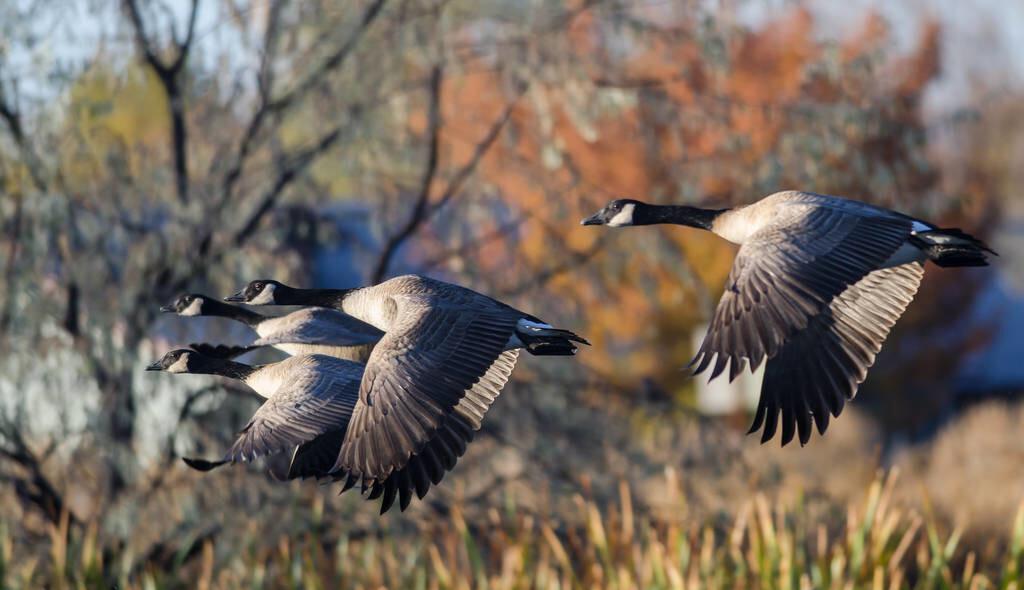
[236, 298]
[167, 308]
[157, 366]
[595, 219]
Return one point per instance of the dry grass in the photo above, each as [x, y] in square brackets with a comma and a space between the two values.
[871, 543]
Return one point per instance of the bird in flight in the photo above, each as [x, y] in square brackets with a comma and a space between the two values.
[816, 286]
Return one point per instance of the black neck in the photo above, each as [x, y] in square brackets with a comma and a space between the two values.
[212, 307]
[675, 214]
[312, 297]
[206, 365]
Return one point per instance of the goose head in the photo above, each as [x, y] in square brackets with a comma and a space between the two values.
[190, 304]
[184, 360]
[179, 361]
[618, 213]
[260, 292]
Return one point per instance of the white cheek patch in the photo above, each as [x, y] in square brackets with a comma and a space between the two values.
[179, 366]
[624, 217]
[193, 309]
[266, 296]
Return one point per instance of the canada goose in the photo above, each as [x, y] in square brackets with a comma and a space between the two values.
[446, 354]
[306, 331]
[816, 286]
[310, 400]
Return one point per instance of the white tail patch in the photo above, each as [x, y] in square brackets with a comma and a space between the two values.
[920, 226]
[525, 324]
[936, 238]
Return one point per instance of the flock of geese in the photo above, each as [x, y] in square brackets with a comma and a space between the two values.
[386, 384]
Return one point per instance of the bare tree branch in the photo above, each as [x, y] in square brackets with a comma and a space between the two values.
[539, 279]
[269, 106]
[424, 210]
[14, 235]
[289, 171]
[420, 209]
[169, 75]
[12, 119]
[479, 151]
[499, 233]
[32, 486]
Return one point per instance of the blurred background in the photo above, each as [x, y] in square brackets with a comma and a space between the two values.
[150, 148]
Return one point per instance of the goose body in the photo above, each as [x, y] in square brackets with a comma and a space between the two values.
[816, 286]
[446, 354]
[302, 332]
[306, 397]
[310, 401]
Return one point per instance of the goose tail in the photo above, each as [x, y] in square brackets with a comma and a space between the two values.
[541, 339]
[952, 247]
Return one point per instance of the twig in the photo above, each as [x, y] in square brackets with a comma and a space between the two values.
[34, 487]
[169, 75]
[420, 210]
[269, 106]
[12, 119]
[478, 153]
[423, 209]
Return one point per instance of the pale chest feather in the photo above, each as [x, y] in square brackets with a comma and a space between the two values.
[359, 353]
[269, 326]
[737, 225]
[375, 308]
[266, 383]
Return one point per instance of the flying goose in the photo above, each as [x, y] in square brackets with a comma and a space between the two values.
[816, 286]
[446, 354]
[306, 331]
[310, 400]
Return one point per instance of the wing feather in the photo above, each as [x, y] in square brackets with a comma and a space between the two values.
[787, 274]
[319, 397]
[438, 361]
[817, 370]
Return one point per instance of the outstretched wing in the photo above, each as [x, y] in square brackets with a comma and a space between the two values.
[425, 370]
[439, 455]
[316, 400]
[819, 368]
[789, 273]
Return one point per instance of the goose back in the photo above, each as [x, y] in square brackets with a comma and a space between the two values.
[319, 331]
[792, 209]
[380, 304]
